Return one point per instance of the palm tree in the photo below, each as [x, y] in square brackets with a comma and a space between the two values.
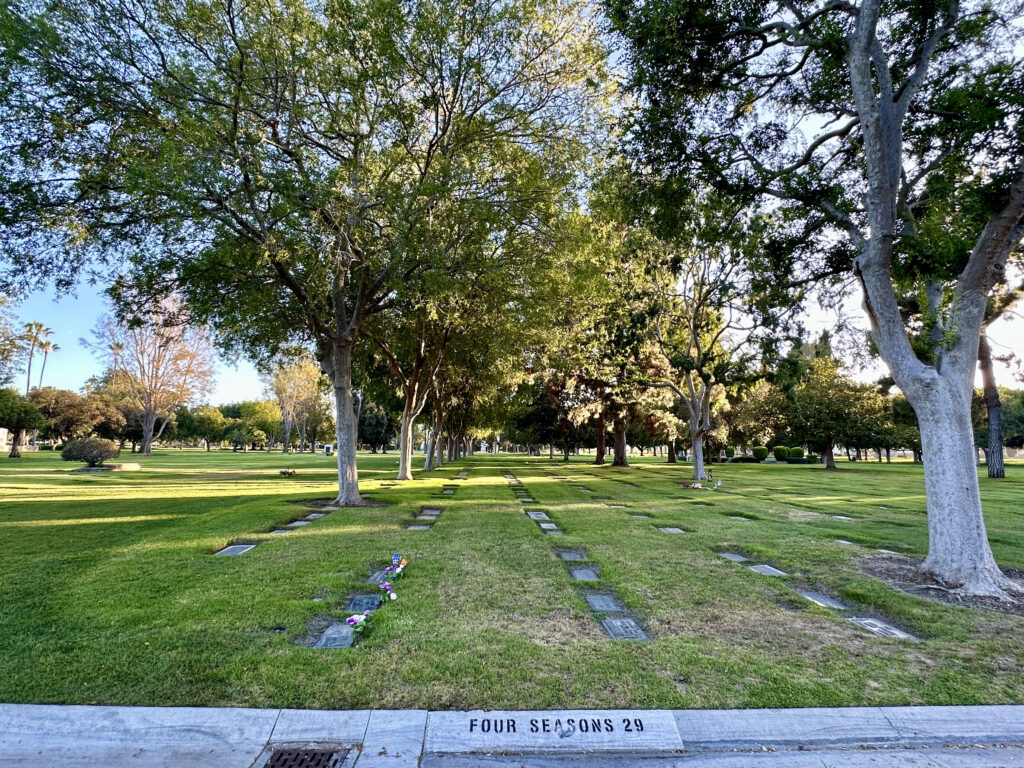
[35, 334]
[47, 347]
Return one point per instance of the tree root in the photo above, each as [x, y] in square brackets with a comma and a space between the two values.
[980, 584]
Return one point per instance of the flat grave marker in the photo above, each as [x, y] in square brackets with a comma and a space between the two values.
[537, 515]
[572, 554]
[623, 629]
[842, 517]
[556, 533]
[416, 527]
[315, 516]
[281, 530]
[360, 603]
[888, 552]
[548, 526]
[734, 556]
[430, 511]
[616, 506]
[580, 731]
[823, 600]
[336, 636]
[766, 570]
[527, 500]
[298, 524]
[235, 549]
[881, 628]
[740, 518]
[641, 517]
[671, 530]
[449, 492]
[583, 573]
[603, 603]
[377, 577]
[844, 541]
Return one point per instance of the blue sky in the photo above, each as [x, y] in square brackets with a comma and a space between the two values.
[73, 318]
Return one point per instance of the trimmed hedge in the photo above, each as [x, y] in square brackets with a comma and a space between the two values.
[781, 452]
[730, 452]
[796, 461]
[746, 459]
[796, 453]
[760, 453]
[813, 458]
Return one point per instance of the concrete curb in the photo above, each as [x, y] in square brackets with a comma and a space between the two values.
[33, 736]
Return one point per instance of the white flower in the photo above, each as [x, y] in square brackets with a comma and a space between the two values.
[394, 596]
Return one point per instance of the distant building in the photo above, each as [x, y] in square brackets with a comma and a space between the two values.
[3, 440]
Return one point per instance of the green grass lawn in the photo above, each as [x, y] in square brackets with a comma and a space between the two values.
[109, 593]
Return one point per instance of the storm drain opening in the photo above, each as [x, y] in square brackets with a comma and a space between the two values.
[307, 758]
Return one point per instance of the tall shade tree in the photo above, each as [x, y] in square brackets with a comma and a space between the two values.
[859, 118]
[18, 415]
[70, 415]
[12, 349]
[158, 366]
[209, 424]
[295, 382]
[710, 320]
[281, 160]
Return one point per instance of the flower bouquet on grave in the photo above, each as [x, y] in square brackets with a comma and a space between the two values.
[360, 622]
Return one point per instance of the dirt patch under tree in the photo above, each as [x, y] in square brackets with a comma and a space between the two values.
[904, 574]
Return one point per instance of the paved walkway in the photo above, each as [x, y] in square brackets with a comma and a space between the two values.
[34, 736]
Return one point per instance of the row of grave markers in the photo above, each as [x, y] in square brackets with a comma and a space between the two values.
[341, 635]
[877, 626]
[617, 627]
[239, 549]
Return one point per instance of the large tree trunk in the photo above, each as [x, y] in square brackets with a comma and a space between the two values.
[15, 444]
[338, 367]
[619, 428]
[599, 458]
[959, 554]
[405, 445]
[428, 450]
[830, 457]
[994, 455]
[148, 425]
[287, 436]
[671, 450]
[697, 443]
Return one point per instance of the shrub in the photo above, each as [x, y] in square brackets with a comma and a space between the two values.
[812, 458]
[91, 450]
[760, 453]
[748, 459]
[45, 447]
[730, 452]
[796, 453]
[781, 452]
[796, 461]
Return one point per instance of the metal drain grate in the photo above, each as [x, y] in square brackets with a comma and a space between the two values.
[306, 758]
